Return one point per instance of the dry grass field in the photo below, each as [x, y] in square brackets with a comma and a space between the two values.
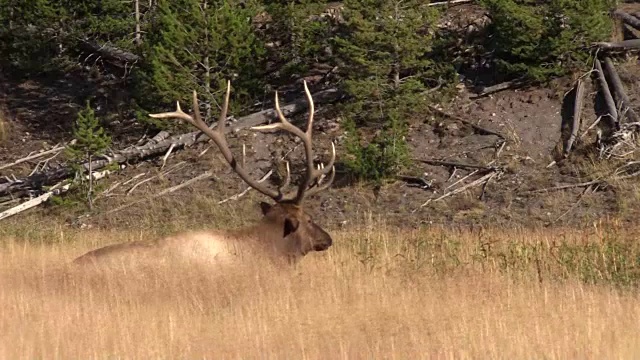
[379, 293]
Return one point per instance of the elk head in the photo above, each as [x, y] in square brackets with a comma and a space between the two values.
[298, 233]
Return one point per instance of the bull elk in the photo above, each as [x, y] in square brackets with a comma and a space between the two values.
[286, 231]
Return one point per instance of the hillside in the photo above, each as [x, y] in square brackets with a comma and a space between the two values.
[40, 113]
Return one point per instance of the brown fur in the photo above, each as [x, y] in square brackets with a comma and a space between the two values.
[285, 233]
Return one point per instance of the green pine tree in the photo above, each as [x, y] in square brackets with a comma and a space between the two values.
[540, 41]
[104, 21]
[383, 47]
[90, 140]
[302, 35]
[29, 35]
[199, 45]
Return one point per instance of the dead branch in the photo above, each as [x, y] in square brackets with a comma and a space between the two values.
[577, 113]
[116, 56]
[457, 164]
[33, 156]
[245, 191]
[589, 189]
[635, 33]
[563, 187]
[416, 181]
[604, 87]
[487, 90]
[450, 2]
[55, 190]
[204, 176]
[616, 175]
[618, 90]
[619, 45]
[633, 21]
[474, 183]
[591, 126]
[168, 171]
[479, 129]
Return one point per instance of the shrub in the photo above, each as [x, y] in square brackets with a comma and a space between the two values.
[196, 47]
[383, 48]
[540, 41]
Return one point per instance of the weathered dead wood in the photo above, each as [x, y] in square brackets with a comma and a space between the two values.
[108, 52]
[134, 154]
[618, 90]
[415, 181]
[633, 31]
[479, 129]
[204, 176]
[577, 113]
[589, 189]
[245, 191]
[595, 122]
[480, 181]
[631, 20]
[614, 176]
[175, 167]
[450, 2]
[55, 190]
[620, 45]
[606, 93]
[488, 90]
[33, 156]
[457, 164]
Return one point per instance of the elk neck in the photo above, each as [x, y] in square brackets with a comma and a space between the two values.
[266, 234]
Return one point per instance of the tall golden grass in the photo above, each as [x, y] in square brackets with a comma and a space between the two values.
[379, 293]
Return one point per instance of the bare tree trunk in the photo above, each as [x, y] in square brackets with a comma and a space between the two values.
[606, 93]
[627, 18]
[577, 113]
[618, 91]
[90, 192]
[138, 40]
[396, 55]
[207, 74]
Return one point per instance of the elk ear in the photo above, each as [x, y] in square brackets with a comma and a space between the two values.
[290, 225]
[265, 207]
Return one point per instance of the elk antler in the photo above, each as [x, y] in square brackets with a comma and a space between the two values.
[312, 174]
[219, 139]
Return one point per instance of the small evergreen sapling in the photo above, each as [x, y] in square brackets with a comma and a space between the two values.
[90, 140]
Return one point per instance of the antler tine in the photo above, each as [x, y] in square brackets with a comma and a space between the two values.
[222, 120]
[219, 139]
[287, 178]
[311, 172]
[320, 185]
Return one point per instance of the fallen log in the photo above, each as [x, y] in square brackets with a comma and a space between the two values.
[488, 90]
[631, 20]
[33, 156]
[108, 52]
[450, 2]
[620, 45]
[618, 90]
[606, 93]
[56, 190]
[458, 164]
[132, 154]
[577, 113]
[478, 129]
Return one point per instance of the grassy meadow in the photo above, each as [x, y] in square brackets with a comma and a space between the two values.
[379, 293]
